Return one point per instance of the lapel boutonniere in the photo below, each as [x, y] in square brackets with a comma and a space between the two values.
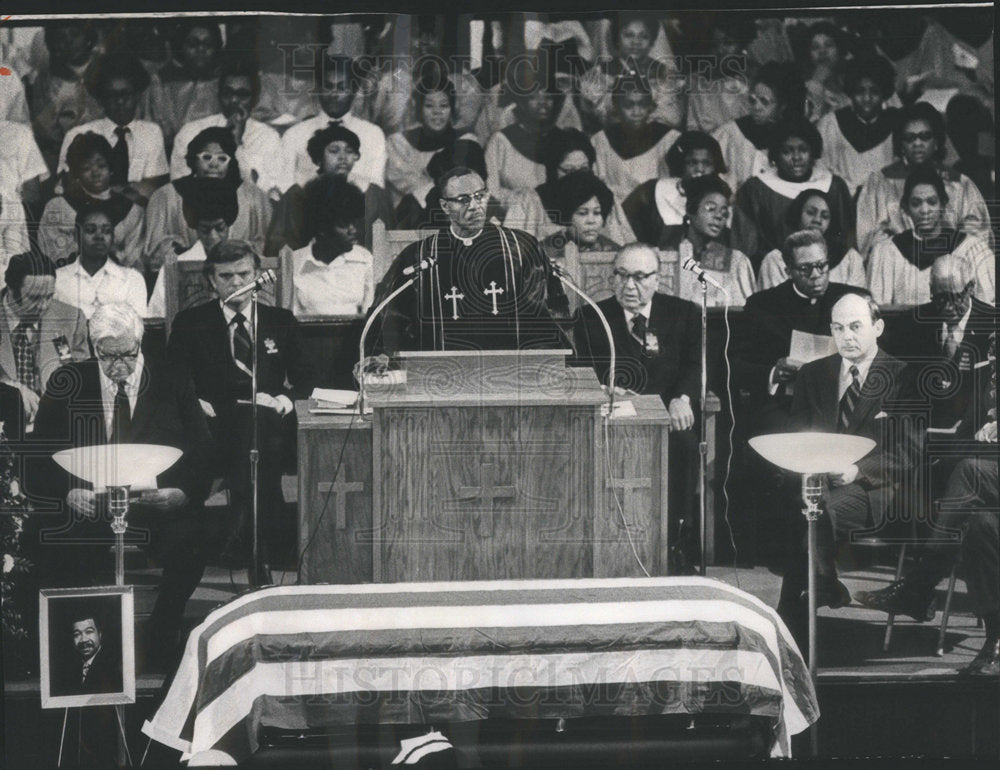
[270, 346]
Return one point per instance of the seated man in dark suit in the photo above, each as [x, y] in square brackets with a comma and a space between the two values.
[967, 515]
[37, 333]
[763, 375]
[850, 392]
[213, 342]
[657, 341]
[122, 398]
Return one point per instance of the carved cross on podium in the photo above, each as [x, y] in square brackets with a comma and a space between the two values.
[487, 490]
[629, 487]
[341, 489]
[493, 292]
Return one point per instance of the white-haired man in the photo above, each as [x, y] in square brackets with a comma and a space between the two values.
[123, 398]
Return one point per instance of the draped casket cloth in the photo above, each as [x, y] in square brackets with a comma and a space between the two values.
[305, 657]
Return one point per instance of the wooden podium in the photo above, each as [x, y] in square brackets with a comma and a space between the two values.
[483, 466]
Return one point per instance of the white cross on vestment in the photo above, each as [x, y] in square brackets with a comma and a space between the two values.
[493, 291]
[454, 297]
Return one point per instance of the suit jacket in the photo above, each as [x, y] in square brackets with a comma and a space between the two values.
[104, 675]
[60, 320]
[167, 412]
[200, 343]
[957, 392]
[766, 332]
[672, 371]
[885, 392]
[11, 413]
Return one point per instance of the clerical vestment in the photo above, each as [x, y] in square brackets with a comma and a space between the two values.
[490, 292]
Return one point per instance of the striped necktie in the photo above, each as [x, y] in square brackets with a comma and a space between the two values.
[242, 350]
[639, 329]
[849, 400]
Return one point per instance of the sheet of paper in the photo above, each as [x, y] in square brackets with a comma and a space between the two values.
[807, 347]
[622, 409]
[330, 397]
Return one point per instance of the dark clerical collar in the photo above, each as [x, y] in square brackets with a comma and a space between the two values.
[759, 136]
[866, 136]
[630, 142]
[922, 252]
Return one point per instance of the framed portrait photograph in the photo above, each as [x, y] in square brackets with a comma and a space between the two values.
[87, 646]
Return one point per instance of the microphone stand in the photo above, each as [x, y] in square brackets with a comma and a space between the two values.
[562, 276]
[703, 439]
[254, 444]
[364, 334]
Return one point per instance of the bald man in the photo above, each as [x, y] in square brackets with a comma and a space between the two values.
[855, 392]
[658, 345]
[952, 330]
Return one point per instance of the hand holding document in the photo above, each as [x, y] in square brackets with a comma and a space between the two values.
[806, 347]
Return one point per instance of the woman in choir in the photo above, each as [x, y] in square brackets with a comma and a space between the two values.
[899, 267]
[721, 94]
[857, 138]
[706, 239]
[759, 219]
[88, 181]
[825, 52]
[210, 155]
[514, 154]
[334, 149]
[634, 34]
[583, 202]
[776, 92]
[631, 149]
[919, 139]
[187, 88]
[410, 150]
[657, 208]
[811, 211]
[333, 273]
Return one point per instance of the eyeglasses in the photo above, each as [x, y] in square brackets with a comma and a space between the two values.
[946, 298]
[207, 157]
[117, 358]
[638, 277]
[810, 267]
[921, 136]
[466, 200]
[564, 170]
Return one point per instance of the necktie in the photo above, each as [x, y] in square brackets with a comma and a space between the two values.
[949, 345]
[639, 329]
[119, 158]
[121, 420]
[242, 350]
[849, 400]
[84, 672]
[24, 355]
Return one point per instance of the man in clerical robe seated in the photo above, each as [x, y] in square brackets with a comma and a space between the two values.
[657, 341]
[478, 286]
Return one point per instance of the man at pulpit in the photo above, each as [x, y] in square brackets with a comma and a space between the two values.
[478, 286]
[658, 352]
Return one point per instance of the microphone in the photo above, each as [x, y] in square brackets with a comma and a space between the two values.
[692, 266]
[424, 264]
[266, 278]
[562, 275]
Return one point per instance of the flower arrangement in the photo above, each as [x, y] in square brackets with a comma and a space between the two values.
[17, 639]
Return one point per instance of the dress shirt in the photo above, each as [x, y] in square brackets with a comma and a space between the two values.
[112, 283]
[645, 310]
[229, 314]
[346, 286]
[959, 328]
[20, 158]
[109, 389]
[845, 373]
[259, 153]
[299, 167]
[146, 156]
